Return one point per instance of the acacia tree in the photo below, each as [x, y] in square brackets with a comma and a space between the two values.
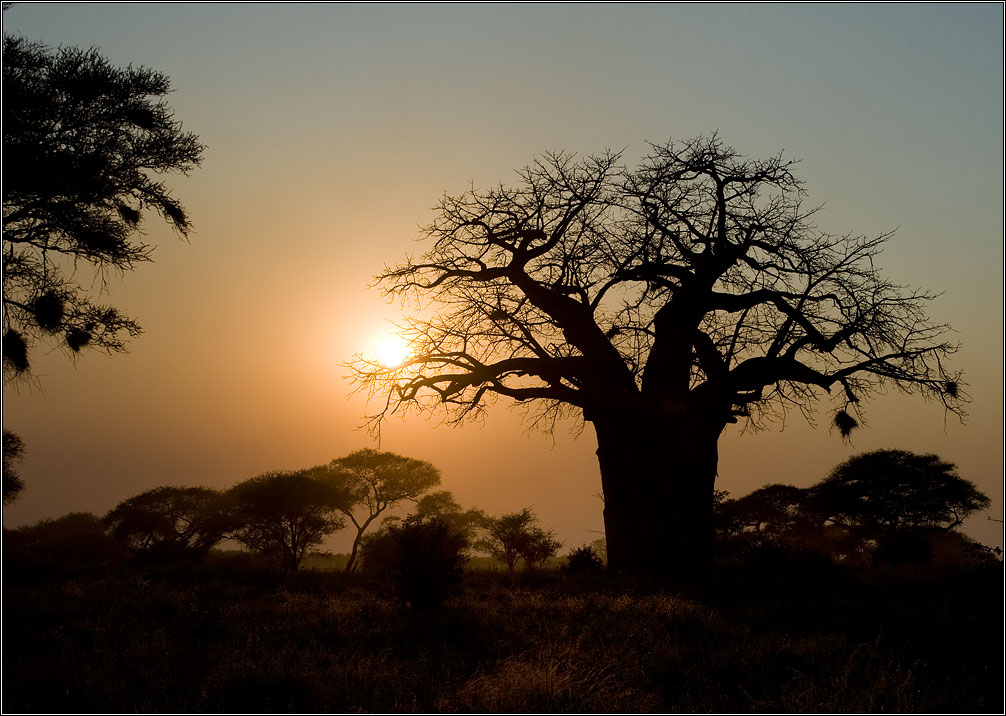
[890, 490]
[659, 305]
[170, 521]
[769, 511]
[516, 536]
[282, 515]
[83, 145]
[376, 481]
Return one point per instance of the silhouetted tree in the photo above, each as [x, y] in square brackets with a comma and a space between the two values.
[83, 145]
[377, 549]
[886, 503]
[785, 517]
[891, 490]
[170, 521]
[282, 515]
[515, 536]
[78, 539]
[375, 482]
[660, 305]
[13, 452]
[770, 511]
[441, 505]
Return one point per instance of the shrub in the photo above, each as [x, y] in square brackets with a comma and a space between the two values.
[74, 541]
[426, 559]
[584, 560]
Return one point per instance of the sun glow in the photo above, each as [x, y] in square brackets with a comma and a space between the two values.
[390, 350]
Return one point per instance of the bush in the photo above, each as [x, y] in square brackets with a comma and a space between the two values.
[424, 558]
[76, 541]
[584, 560]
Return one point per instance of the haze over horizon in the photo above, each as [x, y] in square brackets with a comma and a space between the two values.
[332, 129]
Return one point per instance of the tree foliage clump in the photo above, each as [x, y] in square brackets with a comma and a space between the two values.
[84, 147]
[13, 452]
[78, 540]
[284, 515]
[441, 505]
[660, 304]
[170, 522]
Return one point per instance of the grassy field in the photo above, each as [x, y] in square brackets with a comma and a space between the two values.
[234, 637]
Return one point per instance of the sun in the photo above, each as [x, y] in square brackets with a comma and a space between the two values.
[391, 350]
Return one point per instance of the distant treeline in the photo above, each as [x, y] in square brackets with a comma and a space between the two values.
[887, 506]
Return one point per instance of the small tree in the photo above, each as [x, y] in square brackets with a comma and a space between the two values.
[376, 481]
[515, 536]
[169, 521]
[282, 515]
[83, 145]
[441, 505]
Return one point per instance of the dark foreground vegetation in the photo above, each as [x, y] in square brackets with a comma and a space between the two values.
[770, 632]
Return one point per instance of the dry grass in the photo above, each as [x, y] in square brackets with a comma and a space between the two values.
[243, 639]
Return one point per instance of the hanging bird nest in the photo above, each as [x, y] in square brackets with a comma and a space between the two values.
[130, 215]
[48, 310]
[77, 338]
[845, 423]
[15, 351]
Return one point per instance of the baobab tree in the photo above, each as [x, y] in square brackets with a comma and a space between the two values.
[659, 305]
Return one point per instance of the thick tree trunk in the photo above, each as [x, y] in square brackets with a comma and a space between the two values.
[658, 474]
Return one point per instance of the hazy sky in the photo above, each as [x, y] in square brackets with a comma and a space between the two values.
[332, 130]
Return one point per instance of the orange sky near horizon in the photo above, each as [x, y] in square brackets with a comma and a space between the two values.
[331, 131]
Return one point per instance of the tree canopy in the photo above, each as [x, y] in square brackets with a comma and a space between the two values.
[659, 304]
[283, 515]
[376, 481]
[869, 499]
[169, 521]
[701, 262]
[894, 489]
[84, 147]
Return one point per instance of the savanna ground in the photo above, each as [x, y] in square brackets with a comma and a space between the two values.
[232, 636]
